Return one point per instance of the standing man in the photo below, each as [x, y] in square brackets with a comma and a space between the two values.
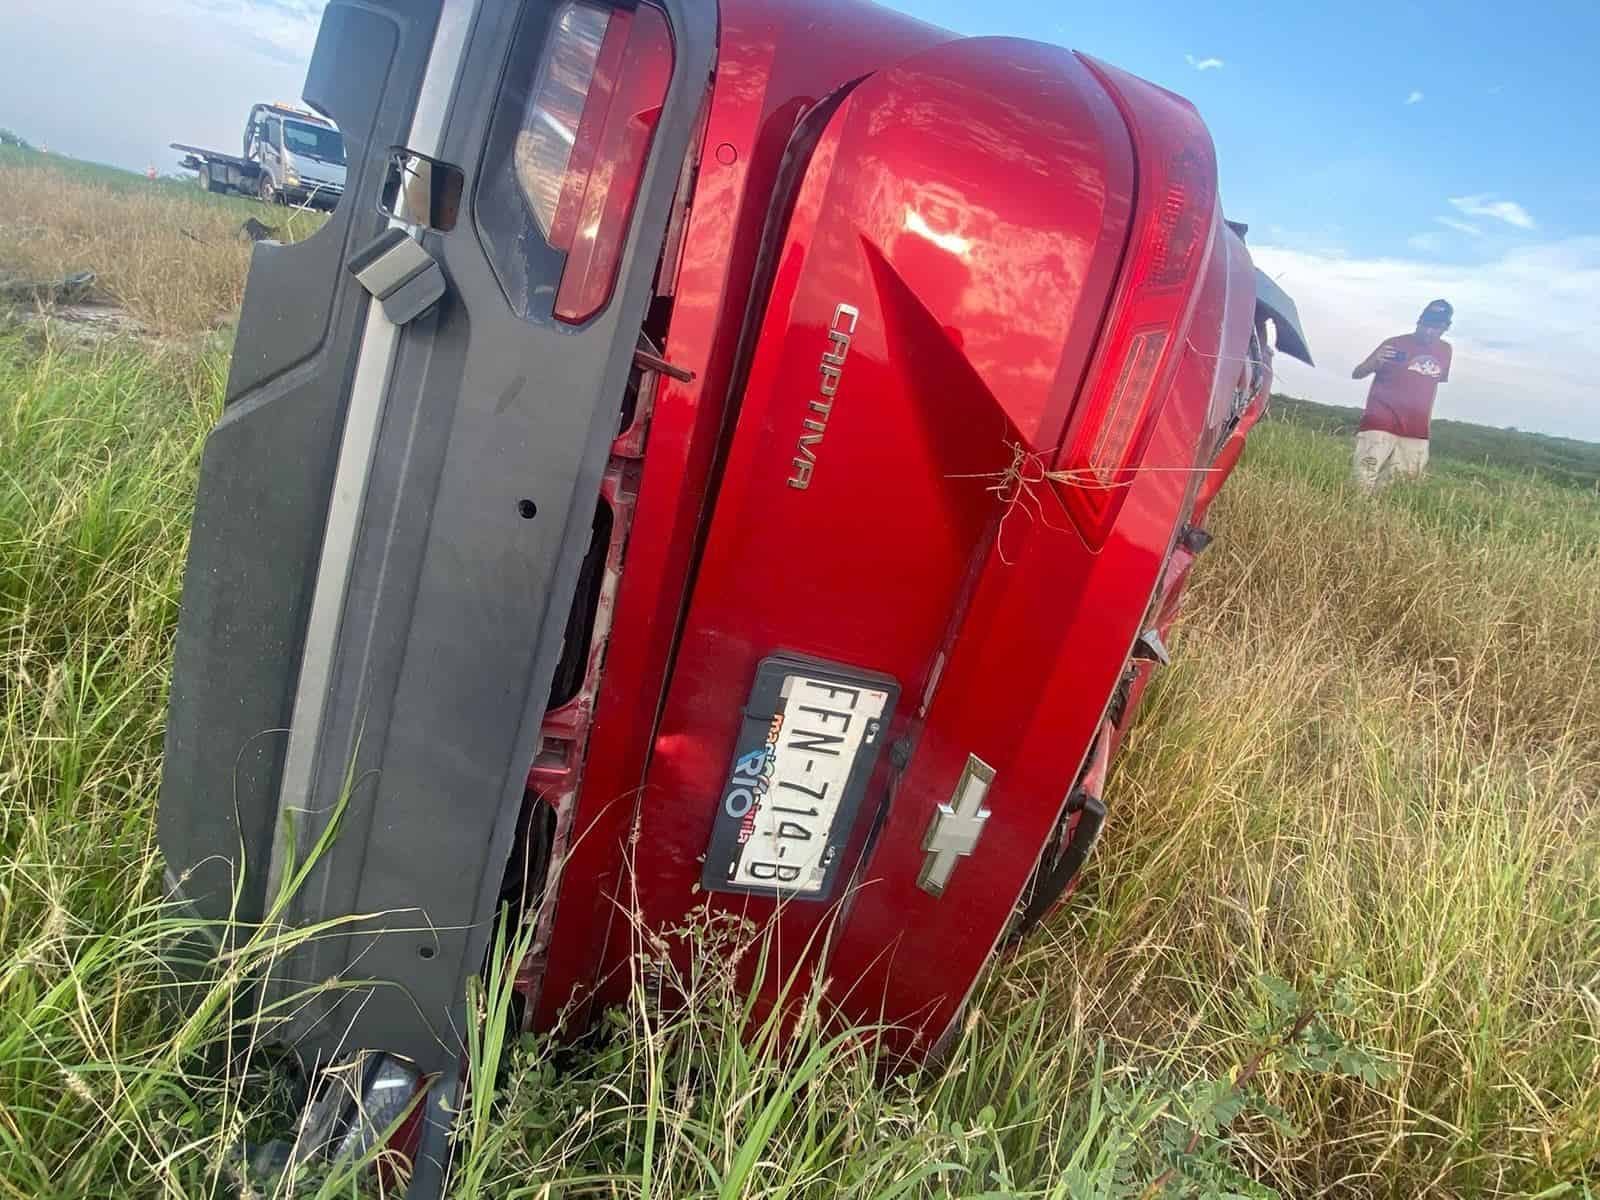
[1407, 371]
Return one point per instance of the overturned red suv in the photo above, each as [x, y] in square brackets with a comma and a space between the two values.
[741, 454]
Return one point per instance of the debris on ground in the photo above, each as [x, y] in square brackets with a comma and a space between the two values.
[74, 289]
[88, 324]
[68, 305]
[257, 231]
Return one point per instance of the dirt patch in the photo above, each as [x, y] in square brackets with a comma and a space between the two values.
[89, 321]
[77, 313]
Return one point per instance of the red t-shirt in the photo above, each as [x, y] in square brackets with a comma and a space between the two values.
[1400, 400]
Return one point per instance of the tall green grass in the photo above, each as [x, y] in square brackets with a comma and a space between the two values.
[97, 461]
[690, 1090]
[130, 1064]
[1378, 752]
[1374, 764]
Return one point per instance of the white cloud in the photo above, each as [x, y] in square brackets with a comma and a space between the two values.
[1460, 226]
[1203, 64]
[1329, 242]
[1426, 243]
[284, 30]
[1485, 205]
[135, 83]
[1524, 350]
[1414, 97]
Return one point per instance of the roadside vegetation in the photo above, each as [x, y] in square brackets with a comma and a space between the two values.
[1368, 789]
[166, 253]
[1482, 447]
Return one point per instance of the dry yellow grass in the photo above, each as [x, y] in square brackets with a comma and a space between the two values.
[172, 257]
[1377, 756]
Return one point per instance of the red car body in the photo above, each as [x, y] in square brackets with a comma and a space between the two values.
[967, 210]
[689, 409]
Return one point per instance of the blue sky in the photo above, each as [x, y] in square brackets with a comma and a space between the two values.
[1382, 154]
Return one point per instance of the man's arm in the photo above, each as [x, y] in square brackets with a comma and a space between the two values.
[1373, 361]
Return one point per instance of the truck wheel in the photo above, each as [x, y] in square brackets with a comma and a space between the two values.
[209, 184]
[267, 190]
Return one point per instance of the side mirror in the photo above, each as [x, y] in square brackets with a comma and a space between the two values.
[422, 191]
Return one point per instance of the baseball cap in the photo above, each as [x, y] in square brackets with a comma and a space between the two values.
[1438, 312]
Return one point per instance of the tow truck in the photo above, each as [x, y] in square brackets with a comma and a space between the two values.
[290, 155]
[741, 455]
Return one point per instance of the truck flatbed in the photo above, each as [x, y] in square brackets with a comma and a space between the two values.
[307, 168]
[200, 154]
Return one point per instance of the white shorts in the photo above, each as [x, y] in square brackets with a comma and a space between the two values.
[1381, 458]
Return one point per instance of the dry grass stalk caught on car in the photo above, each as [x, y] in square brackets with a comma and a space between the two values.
[1020, 488]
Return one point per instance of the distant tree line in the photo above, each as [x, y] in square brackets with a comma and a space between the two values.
[1558, 459]
[10, 137]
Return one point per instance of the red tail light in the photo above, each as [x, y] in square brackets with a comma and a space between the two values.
[581, 154]
[1173, 227]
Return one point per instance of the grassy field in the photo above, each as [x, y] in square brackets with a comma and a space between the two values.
[167, 253]
[1479, 447]
[1371, 774]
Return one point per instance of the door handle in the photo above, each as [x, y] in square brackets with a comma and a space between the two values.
[400, 275]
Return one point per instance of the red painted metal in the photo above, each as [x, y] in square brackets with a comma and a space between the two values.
[959, 216]
[772, 68]
[967, 299]
[1148, 316]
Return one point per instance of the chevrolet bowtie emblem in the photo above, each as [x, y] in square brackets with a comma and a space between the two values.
[956, 827]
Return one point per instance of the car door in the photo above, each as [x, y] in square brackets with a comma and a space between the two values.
[393, 507]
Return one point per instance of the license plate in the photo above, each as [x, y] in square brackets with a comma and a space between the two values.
[810, 736]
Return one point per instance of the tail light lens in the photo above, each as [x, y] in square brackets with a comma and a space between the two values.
[555, 110]
[585, 137]
[1173, 228]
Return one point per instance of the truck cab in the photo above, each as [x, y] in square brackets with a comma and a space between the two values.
[300, 156]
